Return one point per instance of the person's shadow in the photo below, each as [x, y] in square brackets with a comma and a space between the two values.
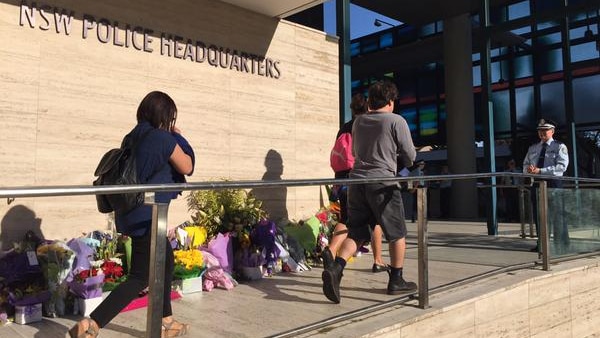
[16, 223]
[274, 199]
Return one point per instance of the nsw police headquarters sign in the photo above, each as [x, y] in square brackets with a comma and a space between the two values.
[48, 18]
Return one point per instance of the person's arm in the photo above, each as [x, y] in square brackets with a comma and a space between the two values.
[181, 161]
[526, 162]
[406, 149]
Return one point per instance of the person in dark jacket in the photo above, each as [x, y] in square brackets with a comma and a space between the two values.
[159, 159]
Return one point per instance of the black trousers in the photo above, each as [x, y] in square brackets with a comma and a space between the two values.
[137, 281]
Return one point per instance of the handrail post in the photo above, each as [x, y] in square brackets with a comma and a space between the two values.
[543, 217]
[522, 210]
[423, 263]
[156, 278]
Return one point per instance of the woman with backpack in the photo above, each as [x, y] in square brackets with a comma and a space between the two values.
[161, 156]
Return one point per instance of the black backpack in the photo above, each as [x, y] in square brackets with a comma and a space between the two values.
[117, 167]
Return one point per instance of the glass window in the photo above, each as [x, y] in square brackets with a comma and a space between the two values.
[518, 10]
[499, 71]
[553, 101]
[579, 32]
[386, 40]
[584, 51]
[586, 99]
[477, 76]
[549, 39]
[525, 108]
[547, 24]
[476, 57]
[523, 66]
[369, 45]
[551, 61]
[501, 115]
[406, 89]
[426, 86]
[410, 115]
[522, 30]
[406, 33]
[428, 120]
[355, 48]
[428, 29]
[546, 5]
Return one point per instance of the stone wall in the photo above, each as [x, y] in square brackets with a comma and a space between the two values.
[555, 304]
[257, 98]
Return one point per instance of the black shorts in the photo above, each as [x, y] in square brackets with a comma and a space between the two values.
[375, 203]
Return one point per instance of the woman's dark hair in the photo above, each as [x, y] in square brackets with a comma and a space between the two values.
[381, 93]
[158, 109]
[358, 105]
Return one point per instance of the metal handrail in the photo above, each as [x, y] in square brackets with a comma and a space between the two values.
[159, 216]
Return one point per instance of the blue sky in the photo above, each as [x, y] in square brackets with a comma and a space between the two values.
[361, 20]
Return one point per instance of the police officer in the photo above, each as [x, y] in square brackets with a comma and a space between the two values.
[549, 157]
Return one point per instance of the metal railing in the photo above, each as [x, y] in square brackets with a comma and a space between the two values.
[160, 211]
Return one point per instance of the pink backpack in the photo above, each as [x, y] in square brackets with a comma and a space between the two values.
[341, 157]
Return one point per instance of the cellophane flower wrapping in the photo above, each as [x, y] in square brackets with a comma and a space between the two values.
[56, 260]
[263, 238]
[87, 283]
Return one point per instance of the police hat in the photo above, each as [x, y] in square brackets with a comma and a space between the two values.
[544, 124]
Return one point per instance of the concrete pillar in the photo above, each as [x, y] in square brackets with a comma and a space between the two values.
[460, 122]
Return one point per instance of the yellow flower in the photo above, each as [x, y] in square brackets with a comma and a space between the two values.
[189, 258]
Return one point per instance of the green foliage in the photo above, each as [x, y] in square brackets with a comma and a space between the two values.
[223, 210]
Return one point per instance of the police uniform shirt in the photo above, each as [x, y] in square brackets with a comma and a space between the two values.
[556, 159]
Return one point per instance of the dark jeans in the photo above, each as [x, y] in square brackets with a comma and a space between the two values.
[137, 281]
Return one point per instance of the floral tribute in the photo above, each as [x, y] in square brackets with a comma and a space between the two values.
[188, 263]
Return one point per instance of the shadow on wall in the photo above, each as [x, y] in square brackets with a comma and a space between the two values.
[274, 198]
[17, 221]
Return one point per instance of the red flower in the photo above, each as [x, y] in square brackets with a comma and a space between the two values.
[322, 216]
[111, 270]
[85, 274]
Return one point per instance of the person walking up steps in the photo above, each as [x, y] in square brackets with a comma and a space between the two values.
[378, 138]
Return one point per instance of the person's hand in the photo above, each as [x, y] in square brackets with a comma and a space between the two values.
[533, 169]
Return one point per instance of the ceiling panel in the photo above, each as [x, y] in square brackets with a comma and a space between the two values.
[275, 8]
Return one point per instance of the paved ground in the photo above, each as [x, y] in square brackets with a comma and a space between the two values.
[272, 306]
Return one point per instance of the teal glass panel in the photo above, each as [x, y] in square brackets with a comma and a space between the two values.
[523, 66]
[525, 108]
[501, 106]
[553, 101]
[573, 220]
[586, 99]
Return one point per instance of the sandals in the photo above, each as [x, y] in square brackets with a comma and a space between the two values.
[174, 329]
[85, 328]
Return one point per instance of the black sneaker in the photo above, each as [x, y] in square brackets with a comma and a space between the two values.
[398, 285]
[331, 282]
[327, 257]
[379, 268]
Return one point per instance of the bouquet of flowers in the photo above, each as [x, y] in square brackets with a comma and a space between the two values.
[87, 283]
[188, 263]
[108, 258]
[56, 260]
